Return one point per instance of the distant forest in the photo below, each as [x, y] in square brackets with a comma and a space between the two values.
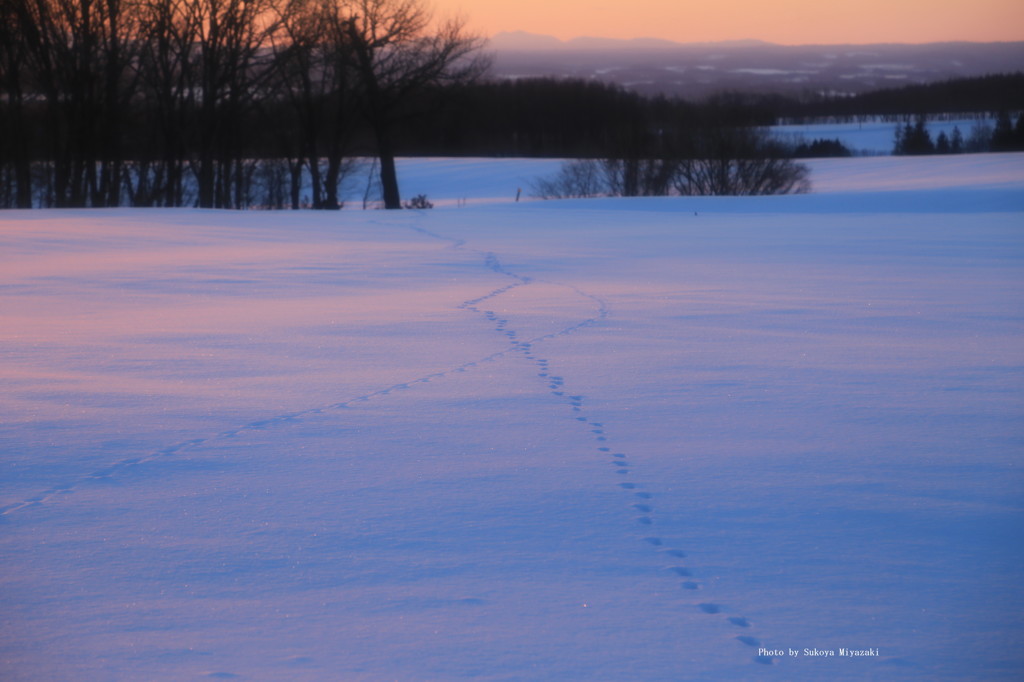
[577, 118]
[193, 102]
[985, 94]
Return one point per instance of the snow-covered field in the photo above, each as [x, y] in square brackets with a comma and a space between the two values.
[650, 439]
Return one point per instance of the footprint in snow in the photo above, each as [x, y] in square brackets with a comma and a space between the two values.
[555, 384]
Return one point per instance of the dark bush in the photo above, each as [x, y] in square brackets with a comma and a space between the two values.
[715, 161]
[820, 149]
[419, 201]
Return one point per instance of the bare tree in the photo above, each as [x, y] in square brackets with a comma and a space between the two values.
[314, 73]
[168, 38]
[575, 180]
[398, 54]
[228, 67]
[15, 160]
[79, 53]
[714, 161]
[639, 176]
[739, 161]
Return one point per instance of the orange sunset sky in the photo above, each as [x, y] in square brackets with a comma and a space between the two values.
[790, 22]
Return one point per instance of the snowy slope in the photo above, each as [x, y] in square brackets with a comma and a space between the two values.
[651, 439]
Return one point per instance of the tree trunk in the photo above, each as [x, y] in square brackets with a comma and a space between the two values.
[22, 156]
[295, 173]
[331, 183]
[388, 174]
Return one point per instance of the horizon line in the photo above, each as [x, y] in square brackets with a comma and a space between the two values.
[668, 42]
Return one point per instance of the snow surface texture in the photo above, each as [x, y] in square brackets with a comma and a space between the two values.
[652, 439]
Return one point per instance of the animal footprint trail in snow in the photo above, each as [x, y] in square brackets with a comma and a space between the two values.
[124, 466]
[644, 509]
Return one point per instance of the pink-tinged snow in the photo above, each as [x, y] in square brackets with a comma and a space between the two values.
[651, 439]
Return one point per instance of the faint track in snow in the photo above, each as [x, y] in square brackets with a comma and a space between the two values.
[125, 465]
[640, 501]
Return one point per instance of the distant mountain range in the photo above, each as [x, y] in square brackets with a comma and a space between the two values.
[523, 41]
[695, 70]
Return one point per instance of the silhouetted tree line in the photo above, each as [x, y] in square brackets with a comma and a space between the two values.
[915, 138]
[958, 96]
[195, 102]
[587, 118]
[564, 118]
[104, 102]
